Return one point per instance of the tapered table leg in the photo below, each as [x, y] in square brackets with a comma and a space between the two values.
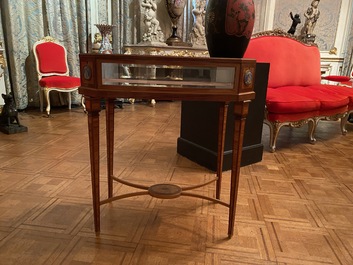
[222, 124]
[109, 109]
[240, 112]
[93, 109]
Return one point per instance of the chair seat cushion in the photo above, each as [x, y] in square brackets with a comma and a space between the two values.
[348, 84]
[64, 82]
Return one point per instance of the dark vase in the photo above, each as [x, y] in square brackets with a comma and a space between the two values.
[228, 27]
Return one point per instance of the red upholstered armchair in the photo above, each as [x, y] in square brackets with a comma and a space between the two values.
[341, 80]
[53, 71]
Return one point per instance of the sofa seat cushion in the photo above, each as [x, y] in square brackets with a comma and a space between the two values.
[341, 90]
[284, 100]
[327, 98]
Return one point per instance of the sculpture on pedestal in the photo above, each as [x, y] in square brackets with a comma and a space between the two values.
[153, 30]
[175, 9]
[9, 122]
[311, 16]
[197, 35]
[295, 22]
[105, 32]
[97, 43]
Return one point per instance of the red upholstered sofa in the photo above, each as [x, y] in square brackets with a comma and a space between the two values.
[295, 94]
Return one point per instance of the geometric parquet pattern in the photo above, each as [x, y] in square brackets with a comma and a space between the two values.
[294, 207]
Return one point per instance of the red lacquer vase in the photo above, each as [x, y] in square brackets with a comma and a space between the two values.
[228, 27]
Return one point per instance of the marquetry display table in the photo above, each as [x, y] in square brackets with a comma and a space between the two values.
[223, 80]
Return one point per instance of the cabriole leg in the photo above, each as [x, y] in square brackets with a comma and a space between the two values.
[344, 121]
[69, 99]
[46, 94]
[274, 131]
[312, 124]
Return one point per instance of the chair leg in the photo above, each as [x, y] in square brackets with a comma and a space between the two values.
[312, 124]
[274, 131]
[46, 93]
[344, 121]
[83, 104]
[41, 99]
[69, 99]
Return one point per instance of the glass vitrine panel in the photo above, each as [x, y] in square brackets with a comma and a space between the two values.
[116, 74]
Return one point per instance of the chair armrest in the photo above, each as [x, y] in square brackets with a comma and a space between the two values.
[336, 78]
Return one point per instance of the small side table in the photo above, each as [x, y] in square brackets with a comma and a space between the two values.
[221, 80]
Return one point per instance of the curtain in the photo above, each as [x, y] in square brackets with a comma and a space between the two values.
[119, 19]
[25, 22]
[6, 70]
[348, 61]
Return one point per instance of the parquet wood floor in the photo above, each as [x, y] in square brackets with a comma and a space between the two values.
[294, 207]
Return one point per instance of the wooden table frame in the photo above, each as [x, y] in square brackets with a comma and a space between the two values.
[93, 89]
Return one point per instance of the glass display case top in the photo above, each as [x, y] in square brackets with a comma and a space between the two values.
[117, 74]
[167, 77]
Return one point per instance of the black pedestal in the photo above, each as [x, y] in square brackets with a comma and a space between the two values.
[13, 128]
[199, 128]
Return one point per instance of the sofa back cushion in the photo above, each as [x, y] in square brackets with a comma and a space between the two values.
[292, 63]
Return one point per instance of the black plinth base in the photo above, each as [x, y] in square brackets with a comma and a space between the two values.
[175, 40]
[13, 128]
[198, 139]
[208, 158]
